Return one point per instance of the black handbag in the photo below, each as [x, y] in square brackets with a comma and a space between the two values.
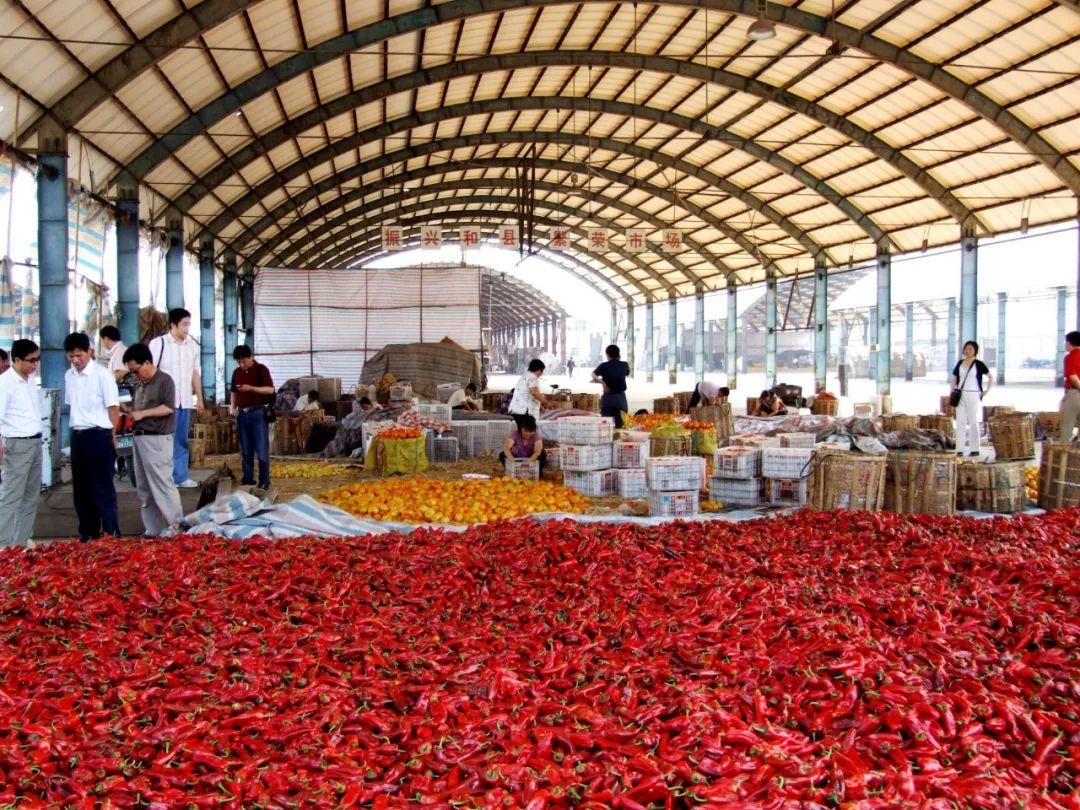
[954, 395]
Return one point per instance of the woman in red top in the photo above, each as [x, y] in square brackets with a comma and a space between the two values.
[525, 442]
[1070, 403]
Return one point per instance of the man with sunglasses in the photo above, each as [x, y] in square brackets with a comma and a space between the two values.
[20, 456]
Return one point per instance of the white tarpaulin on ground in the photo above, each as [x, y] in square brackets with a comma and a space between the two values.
[329, 322]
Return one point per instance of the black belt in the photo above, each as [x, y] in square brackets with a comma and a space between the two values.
[148, 433]
[84, 430]
[249, 408]
[25, 438]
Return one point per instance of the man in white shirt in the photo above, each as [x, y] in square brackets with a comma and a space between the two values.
[20, 456]
[177, 354]
[94, 402]
[110, 339]
[462, 399]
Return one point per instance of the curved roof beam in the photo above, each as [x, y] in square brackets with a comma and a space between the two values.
[521, 294]
[484, 183]
[332, 255]
[319, 249]
[637, 62]
[495, 105]
[421, 18]
[449, 144]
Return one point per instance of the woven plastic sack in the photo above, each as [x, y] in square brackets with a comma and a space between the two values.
[397, 456]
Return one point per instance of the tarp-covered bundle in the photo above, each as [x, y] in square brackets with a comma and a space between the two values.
[425, 366]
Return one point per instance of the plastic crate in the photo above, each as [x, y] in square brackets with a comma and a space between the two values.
[579, 430]
[581, 457]
[495, 437]
[439, 412]
[674, 473]
[595, 483]
[753, 440]
[738, 492]
[523, 468]
[632, 483]
[472, 438]
[788, 491]
[737, 462]
[401, 392]
[444, 450]
[674, 504]
[446, 390]
[798, 440]
[629, 455]
[786, 462]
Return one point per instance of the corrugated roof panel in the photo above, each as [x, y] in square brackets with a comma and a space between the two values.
[150, 98]
[144, 16]
[332, 79]
[111, 129]
[82, 26]
[193, 75]
[319, 22]
[275, 27]
[229, 43]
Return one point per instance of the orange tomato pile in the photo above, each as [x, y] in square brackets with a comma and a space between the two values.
[423, 500]
[401, 433]
[700, 426]
[653, 420]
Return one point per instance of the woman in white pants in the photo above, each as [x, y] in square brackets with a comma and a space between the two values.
[973, 379]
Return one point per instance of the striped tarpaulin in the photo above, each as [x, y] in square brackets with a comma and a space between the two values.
[330, 322]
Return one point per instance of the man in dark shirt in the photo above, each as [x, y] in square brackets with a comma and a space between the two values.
[613, 373]
[153, 413]
[251, 385]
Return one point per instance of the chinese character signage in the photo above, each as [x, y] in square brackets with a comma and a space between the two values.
[598, 238]
[431, 236]
[391, 237]
[635, 240]
[508, 236]
[673, 240]
[560, 238]
[470, 236]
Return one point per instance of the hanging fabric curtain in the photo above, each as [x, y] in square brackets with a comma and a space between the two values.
[92, 319]
[28, 308]
[7, 304]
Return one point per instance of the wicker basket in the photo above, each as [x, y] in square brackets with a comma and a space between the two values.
[996, 411]
[895, 422]
[853, 481]
[936, 421]
[719, 415]
[666, 405]
[751, 405]
[825, 407]
[1050, 422]
[1013, 436]
[1059, 476]
[683, 398]
[997, 488]
[587, 402]
[670, 446]
[920, 483]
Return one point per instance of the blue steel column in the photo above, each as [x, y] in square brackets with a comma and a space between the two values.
[969, 287]
[229, 297]
[821, 325]
[174, 262]
[731, 334]
[613, 335]
[247, 312]
[650, 355]
[673, 341]
[52, 194]
[909, 342]
[1002, 299]
[127, 259]
[884, 320]
[630, 336]
[699, 335]
[207, 333]
[1062, 329]
[770, 331]
[950, 352]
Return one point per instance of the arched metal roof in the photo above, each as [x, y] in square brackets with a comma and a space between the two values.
[861, 124]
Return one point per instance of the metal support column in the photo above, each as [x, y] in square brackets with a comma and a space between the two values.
[247, 312]
[229, 299]
[821, 325]
[884, 320]
[699, 335]
[630, 336]
[951, 349]
[770, 331]
[673, 341]
[731, 335]
[127, 258]
[1000, 364]
[613, 334]
[52, 196]
[562, 340]
[207, 334]
[1062, 329]
[969, 287]
[909, 342]
[174, 261]
[650, 355]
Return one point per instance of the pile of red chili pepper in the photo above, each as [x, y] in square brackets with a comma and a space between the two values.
[825, 659]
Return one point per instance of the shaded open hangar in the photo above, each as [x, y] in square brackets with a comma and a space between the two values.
[780, 139]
